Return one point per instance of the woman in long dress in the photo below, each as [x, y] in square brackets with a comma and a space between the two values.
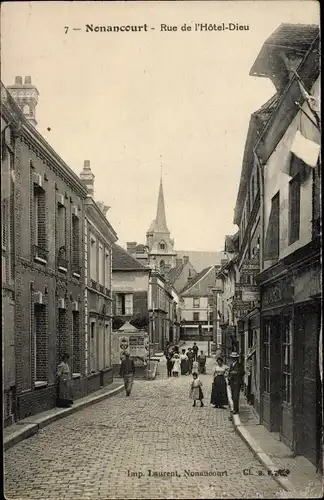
[64, 383]
[176, 365]
[219, 388]
[184, 362]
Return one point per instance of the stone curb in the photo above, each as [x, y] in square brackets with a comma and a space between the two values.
[260, 455]
[31, 428]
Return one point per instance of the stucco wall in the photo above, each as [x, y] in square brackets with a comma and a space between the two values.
[275, 179]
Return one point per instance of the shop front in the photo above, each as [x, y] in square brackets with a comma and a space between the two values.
[291, 392]
[276, 357]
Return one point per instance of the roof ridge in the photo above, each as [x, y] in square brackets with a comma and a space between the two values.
[195, 279]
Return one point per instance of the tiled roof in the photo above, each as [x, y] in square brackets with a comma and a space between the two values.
[201, 260]
[296, 37]
[121, 259]
[194, 280]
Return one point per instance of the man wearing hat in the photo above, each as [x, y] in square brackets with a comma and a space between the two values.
[235, 380]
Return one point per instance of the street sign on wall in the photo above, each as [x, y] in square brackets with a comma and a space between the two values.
[252, 296]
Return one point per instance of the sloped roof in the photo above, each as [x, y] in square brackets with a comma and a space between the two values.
[195, 279]
[231, 243]
[122, 260]
[296, 37]
[175, 272]
[201, 259]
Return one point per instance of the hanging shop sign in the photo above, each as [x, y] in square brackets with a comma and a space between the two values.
[240, 305]
[250, 266]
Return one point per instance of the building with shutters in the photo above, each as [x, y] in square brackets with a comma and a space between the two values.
[99, 238]
[197, 306]
[290, 232]
[130, 289]
[45, 259]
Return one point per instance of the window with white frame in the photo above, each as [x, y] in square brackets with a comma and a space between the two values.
[196, 302]
[286, 368]
[124, 304]
[93, 258]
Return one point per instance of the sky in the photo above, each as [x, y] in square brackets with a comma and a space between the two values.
[132, 101]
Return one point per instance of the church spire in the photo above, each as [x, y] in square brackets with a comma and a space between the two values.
[160, 220]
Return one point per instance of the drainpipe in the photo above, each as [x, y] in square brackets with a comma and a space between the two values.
[261, 177]
[260, 353]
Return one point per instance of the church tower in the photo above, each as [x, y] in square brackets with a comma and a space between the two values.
[26, 96]
[160, 245]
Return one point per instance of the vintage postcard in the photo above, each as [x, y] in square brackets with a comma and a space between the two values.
[161, 250]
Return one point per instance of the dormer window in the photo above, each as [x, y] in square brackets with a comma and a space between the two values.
[162, 245]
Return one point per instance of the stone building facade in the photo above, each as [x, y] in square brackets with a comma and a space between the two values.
[99, 237]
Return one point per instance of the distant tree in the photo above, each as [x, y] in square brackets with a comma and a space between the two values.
[117, 322]
[140, 321]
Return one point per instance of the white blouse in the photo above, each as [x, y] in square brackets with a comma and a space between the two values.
[221, 370]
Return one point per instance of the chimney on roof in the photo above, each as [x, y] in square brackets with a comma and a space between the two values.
[26, 96]
[131, 246]
[185, 259]
[87, 177]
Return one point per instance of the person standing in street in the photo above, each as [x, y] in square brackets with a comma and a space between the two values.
[235, 380]
[176, 365]
[219, 389]
[64, 383]
[202, 358]
[195, 367]
[184, 362]
[169, 364]
[196, 390]
[190, 357]
[195, 351]
[127, 372]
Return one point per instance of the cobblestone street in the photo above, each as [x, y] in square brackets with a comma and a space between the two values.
[107, 450]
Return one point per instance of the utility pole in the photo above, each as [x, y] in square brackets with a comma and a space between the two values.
[208, 328]
[215, 315]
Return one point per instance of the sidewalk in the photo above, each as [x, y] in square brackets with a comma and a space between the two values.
[302, 480]
[31, 425]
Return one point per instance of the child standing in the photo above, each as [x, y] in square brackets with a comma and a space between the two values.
[195, 367]
[196, 392]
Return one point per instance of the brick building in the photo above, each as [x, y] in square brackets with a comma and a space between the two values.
[9, 124]
[99, 237]
[48, 258]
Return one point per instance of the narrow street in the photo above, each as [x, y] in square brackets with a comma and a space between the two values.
[107, 450]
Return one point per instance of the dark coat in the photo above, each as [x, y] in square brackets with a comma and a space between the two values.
[235, 375]
[127, 367]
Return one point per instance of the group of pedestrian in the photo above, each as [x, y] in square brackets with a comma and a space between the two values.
[222, 376]
[186, 363]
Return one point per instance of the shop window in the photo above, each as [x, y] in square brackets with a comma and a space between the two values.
[286, 357]
[266, 358]
[294, 209]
